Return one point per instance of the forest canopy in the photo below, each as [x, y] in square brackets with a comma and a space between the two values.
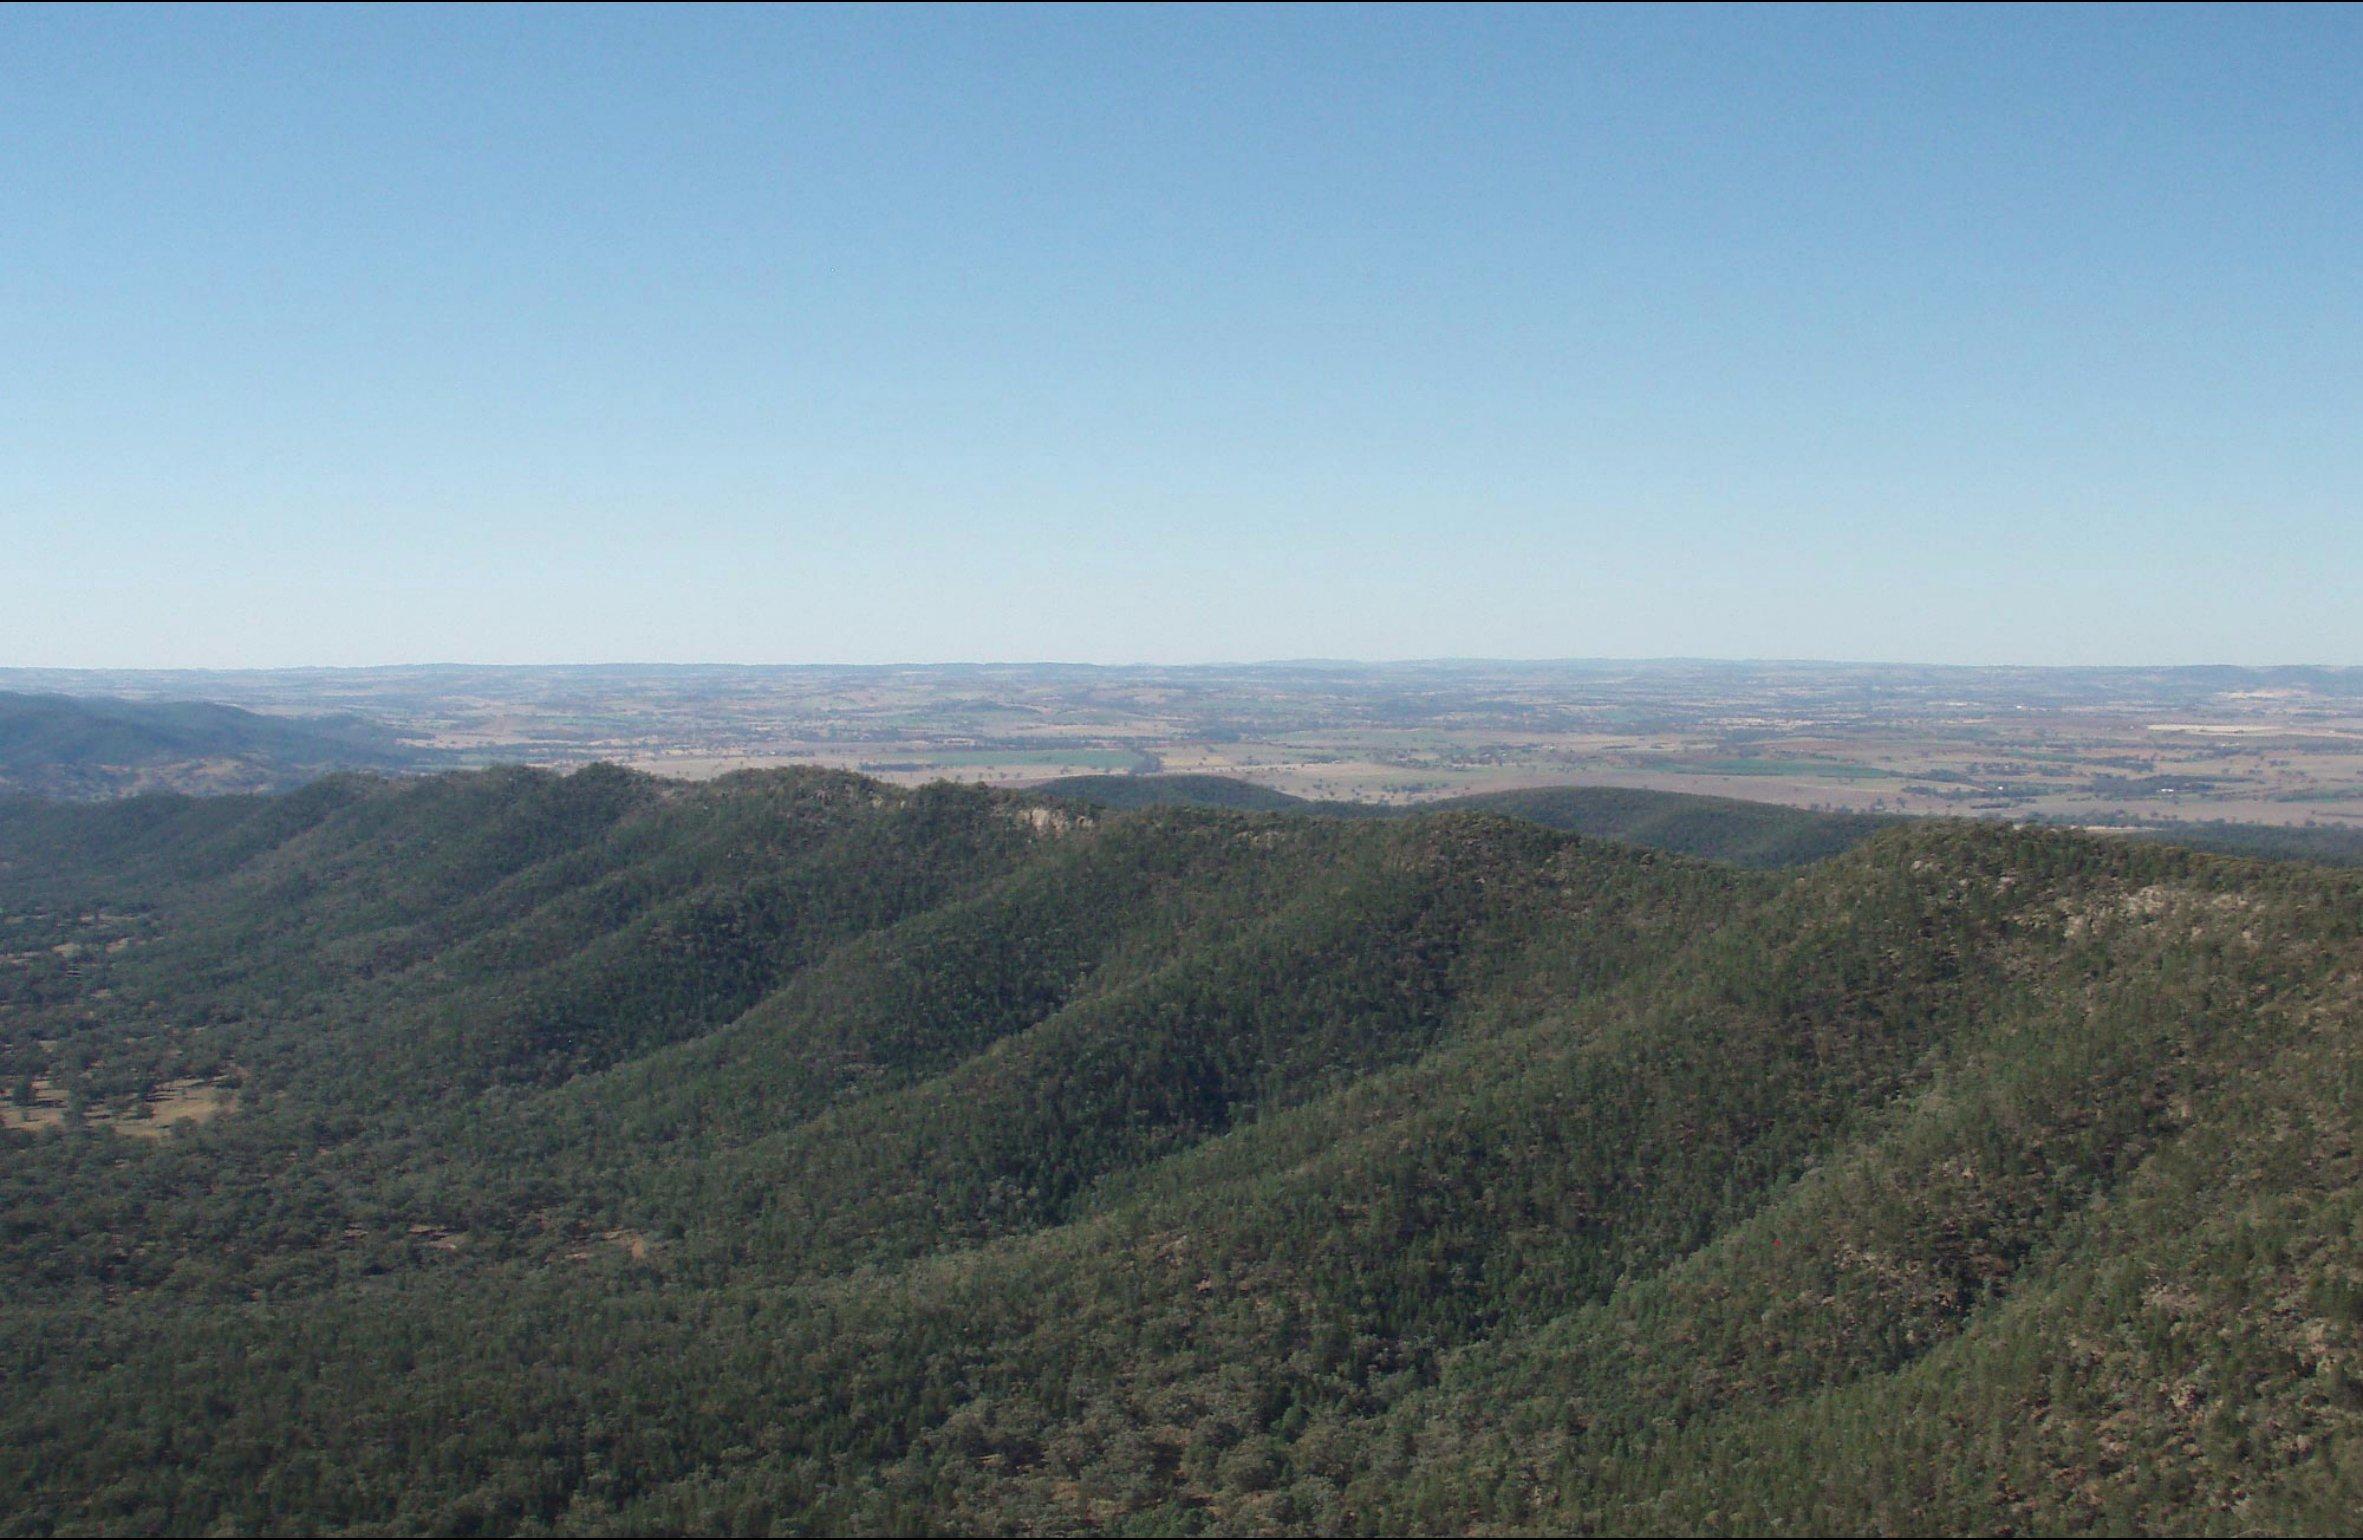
[514, 1152]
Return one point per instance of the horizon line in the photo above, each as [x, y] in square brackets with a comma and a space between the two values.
[1564, 661]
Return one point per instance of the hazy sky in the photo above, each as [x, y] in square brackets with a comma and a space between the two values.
[400, 336]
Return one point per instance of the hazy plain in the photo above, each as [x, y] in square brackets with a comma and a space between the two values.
[2077, 745]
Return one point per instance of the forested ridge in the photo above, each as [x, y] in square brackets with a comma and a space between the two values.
[513, 1152]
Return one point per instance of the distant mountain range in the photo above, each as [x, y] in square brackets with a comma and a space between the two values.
[79, 747]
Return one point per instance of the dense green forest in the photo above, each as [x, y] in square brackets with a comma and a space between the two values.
[508, 1152]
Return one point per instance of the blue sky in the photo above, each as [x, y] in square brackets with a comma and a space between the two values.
[371, 336]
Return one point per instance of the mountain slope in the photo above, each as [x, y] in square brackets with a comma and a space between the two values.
[795, 1152]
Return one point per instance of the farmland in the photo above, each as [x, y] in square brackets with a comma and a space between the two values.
[2065, 745]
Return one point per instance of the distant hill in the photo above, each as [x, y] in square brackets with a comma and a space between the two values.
[2266, 842]
[1127, 792]
[1718, 828]
[84, 747]
[793, 1153]
[1759, 834]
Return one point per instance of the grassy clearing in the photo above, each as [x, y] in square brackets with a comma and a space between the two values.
[170, 1103]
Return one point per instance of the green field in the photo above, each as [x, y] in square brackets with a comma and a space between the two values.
[1835, 769]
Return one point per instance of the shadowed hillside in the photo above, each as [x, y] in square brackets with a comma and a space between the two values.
[66, 746]
[2333, 846]
[1761, 834]
[1718, 828]
[508, 1152]
[1139, 791]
